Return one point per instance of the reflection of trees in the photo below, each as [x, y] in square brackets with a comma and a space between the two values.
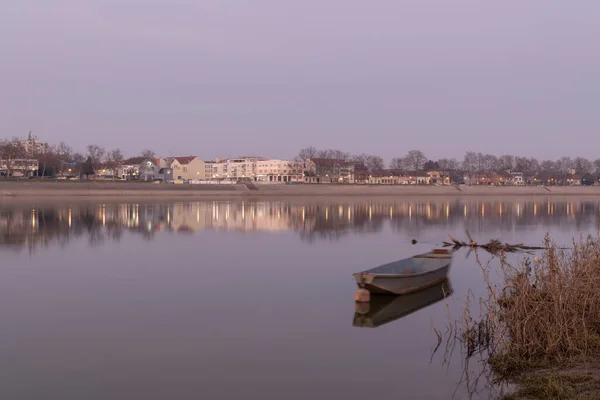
[334, 222]
[39, 227]
[20, 229]
[31, 228]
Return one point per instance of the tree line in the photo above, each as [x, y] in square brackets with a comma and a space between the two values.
[472, 162]
[372, 162]
[60, 158]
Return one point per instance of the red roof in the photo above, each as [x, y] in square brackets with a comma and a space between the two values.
[185, 160]
[134, 160]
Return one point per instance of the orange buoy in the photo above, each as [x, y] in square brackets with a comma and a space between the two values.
[362, 296]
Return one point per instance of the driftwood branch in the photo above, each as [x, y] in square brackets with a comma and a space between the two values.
[493, 246]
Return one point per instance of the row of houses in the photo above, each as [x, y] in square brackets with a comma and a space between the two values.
[263, 170]
[192, 168]
[570, 178]
[315, 170]
[324, 170]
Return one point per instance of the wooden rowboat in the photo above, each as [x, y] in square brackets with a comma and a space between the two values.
[383, 309]
[408, 275]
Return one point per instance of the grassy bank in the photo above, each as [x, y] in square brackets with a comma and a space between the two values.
[541, 326]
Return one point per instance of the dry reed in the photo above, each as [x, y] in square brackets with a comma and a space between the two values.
[543, 316]
[549, 309]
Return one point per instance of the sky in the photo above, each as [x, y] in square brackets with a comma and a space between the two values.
[224, 78]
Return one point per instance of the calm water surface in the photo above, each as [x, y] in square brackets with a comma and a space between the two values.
[228, 300]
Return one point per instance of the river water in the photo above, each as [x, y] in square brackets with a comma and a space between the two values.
[232, 299]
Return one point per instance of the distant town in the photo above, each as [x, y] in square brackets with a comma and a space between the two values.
[30, 157]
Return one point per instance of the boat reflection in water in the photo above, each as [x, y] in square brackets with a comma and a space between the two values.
[383, 309]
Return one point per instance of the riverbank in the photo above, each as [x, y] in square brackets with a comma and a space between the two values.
[107, 189]
[540, 326]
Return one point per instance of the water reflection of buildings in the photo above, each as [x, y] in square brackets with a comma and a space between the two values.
[35, 227]
[226, 216]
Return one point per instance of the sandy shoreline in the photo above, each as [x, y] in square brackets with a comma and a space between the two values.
[138, 190]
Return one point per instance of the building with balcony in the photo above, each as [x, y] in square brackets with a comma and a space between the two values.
[240, 168]
[279, 171]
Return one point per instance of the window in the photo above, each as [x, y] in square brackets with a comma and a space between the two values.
[185, 169]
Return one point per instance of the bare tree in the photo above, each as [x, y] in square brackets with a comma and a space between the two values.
[533, 166]
[334, 155]
[373, 163]
[448, 164]
[341, 155]
[114, 161]
[564, 167]
[564, 164]
[109, 164]
[117, 158]
[325, 154]
[490, 162]
[548, 166]
[96, 156]
[360, 158]
[506, 162]
[78, 161]
[307, 153]
[520, 163]
[10, 151]
[597, 166]
[529, 166]
[64, 152]
[398, 163]
[480, 162]
[470, 164]
[148, 154]
[583, 166]
[49, 159]
[416, 159]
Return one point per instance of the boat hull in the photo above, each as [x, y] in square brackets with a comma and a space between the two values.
[384, 309]
[401, 284]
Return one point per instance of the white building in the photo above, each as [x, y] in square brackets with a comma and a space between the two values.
[279, 171]
[138, 168]
[257, 169]
[209, 169]
[517, 178]
[240, 168]
[19, 167]
[33, 146]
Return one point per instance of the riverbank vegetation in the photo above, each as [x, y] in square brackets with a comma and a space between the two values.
[539, 326]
